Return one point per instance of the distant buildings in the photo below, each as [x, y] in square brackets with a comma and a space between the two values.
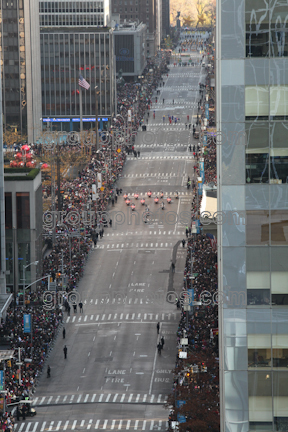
[130, 49]
[20, 57]
[144, 11]
[75, 40]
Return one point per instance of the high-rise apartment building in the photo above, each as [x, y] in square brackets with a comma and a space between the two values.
[165, 18]
[252, 158]
[144, 11]
[75, 39]
[19, 38]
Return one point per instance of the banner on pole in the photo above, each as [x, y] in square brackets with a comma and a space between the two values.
[94, 193]
[27, 323]
[99, 180]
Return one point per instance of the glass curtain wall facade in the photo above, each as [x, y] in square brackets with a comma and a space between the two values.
[252, 169]
[65, 55]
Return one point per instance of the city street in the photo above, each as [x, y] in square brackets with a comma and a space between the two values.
[113, 377]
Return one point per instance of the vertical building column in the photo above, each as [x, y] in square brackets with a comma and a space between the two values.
[2, 203]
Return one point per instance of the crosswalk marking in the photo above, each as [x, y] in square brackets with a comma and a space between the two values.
[127, 317]
[115, 397]
[130, 397]
[122, 398]
[79, 398]
[105, 424]
[93, 397]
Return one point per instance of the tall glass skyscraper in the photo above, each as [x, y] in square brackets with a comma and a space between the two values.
[252, 158]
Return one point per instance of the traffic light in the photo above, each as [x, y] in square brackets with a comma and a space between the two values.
[9, 363]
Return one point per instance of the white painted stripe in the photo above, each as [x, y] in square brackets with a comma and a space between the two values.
[35, 427]
[113, 424]
[108, 397]
[67, 320]
[73, 319]
[71, 399]
[130, 397]
[93, 397]
[97, 317]
[28, 426]
[86, 398]
[65, 397]
[109, 316]
[152, 425]
[127, 316]
[152, 398]
[42, 428]
[101, 397]
[43, 398]
[137, 398]
[121, 316]
[58, 425]
[159, 398]
[136, 424]
[85, 319]
[82, 423]
[56, 401]
[105, 424]
[115, 397]
[144, 425]
[122, 398]
[120, 424]
[74, 424]
[79, 398]
[128, 424]
[50, 427]
[35, 401]
[21, 427]
[97, 424]
[144, 398]
[133, 315]
[103, 317]
[66, 425]
[89, 425]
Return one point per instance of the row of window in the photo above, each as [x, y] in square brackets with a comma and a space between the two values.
[71, 20]
[266, 28]
[53, 110]
[70, 7]
[22, 210]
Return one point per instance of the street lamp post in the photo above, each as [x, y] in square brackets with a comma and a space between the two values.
[24, 268]
[96, 116]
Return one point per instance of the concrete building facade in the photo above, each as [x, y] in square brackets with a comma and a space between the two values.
[252, 171]
[130, 49]
[21, 85]
[141, 11]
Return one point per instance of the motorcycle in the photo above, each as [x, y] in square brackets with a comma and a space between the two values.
[133, 206]
[127, 201]
[142, 201]
[125, 196]
[136, 195]
[156, 200]
[169, 200]
[161, 194]
[149, 194]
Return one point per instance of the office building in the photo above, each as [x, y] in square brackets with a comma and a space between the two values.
[23, 225]
[252, 156]
[165, 18]
[75, 40]
[144, 11]
[130, 49]
[19, 38]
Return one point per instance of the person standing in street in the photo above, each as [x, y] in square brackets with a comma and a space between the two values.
[64, 333]
[75, 308]
[48, 371]
[162, 341]
[65, 352]
[183, 242]
[159, 347]
[81, 307]
[158, 328]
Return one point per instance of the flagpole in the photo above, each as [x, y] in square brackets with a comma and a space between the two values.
[81, 117]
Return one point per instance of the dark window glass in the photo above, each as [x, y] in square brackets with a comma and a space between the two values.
[8, 210]
[23, 210]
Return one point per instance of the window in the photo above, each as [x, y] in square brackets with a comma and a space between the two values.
[8, 210]
[23, 210]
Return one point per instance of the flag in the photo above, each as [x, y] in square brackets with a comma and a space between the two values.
[83, 83]
[213, 240]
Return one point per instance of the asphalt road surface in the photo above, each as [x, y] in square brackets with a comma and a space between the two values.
[113, 377]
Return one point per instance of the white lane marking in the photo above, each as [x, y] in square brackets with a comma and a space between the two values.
[122, 398]
[144, 398]
[97, 424]
[43, 426]
[120, 425]
[115, 397]
[101, 397]
[93, 397]
[128, 424]
[105, 424]
[144, 425]
[66, 425]
[130, 397]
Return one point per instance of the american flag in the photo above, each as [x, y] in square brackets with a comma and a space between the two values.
[83, 83]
